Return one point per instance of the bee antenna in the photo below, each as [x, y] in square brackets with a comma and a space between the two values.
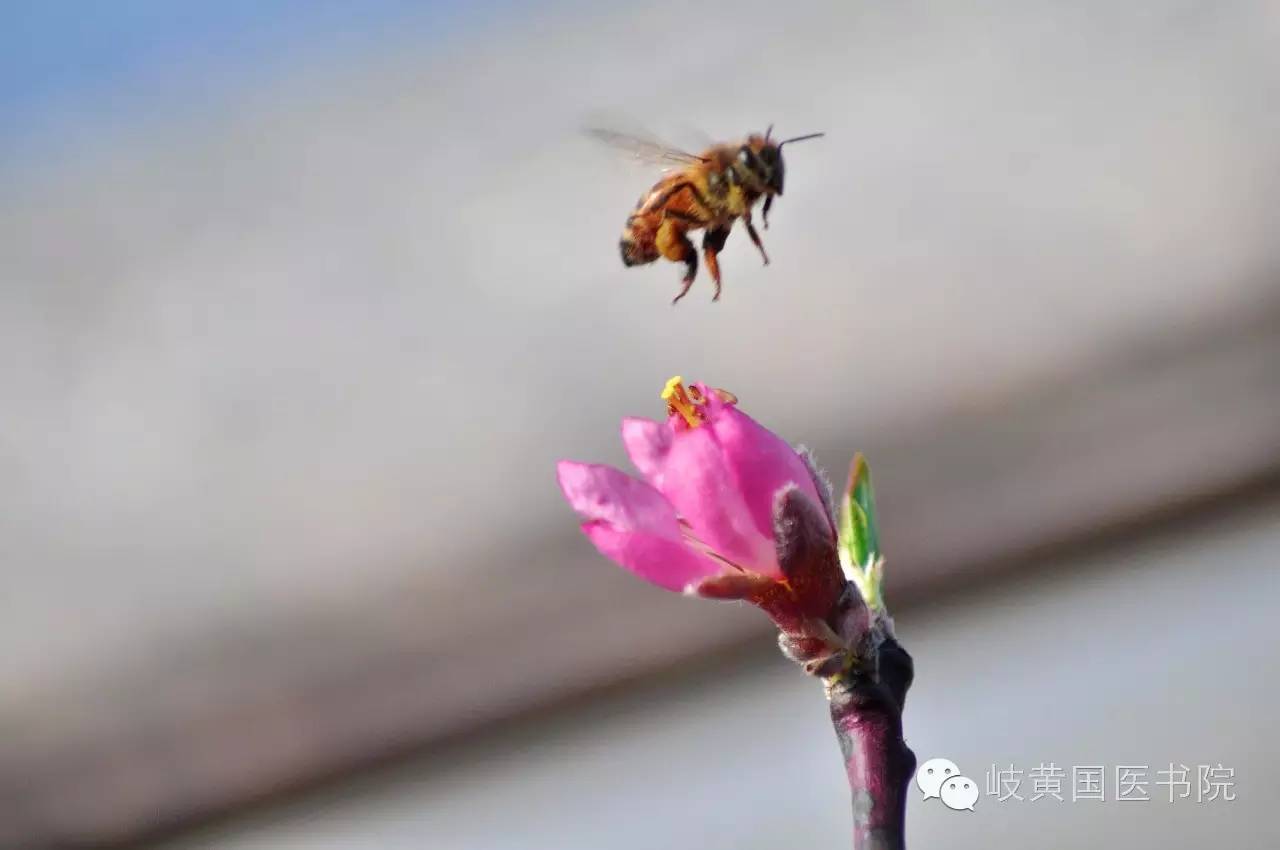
[801, 138]
[768, 132]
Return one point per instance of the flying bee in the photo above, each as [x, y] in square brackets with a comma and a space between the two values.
[707, 191]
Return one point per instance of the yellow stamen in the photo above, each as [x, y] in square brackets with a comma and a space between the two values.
[678, 401]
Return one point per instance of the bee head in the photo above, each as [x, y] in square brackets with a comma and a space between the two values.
[774, 168]
[763, 158]
[760, 164]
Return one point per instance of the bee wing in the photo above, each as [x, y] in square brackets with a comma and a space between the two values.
[643, 148]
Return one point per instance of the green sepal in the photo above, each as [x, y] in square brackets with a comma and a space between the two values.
[859, 535]
[865, 497]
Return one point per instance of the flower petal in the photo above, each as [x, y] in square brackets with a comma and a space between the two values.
[604, 494]
[647, 444]
[762, 463]
[705, 493]
[667, 563]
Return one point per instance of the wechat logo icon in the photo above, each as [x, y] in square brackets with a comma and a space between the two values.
[941, 778]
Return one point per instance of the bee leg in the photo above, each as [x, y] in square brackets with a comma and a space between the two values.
[691, 261]
[764, 213]
[755, 237]
[684, 287]
[675, 246]
[712, 244]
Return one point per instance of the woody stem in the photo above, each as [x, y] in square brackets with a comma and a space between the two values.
[866, 709]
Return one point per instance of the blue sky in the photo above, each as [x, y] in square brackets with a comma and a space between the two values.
[63, 60]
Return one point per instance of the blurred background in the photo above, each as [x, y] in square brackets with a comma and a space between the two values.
[302, 302]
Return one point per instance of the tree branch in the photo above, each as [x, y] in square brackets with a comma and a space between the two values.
[827, 627]
[866, 710]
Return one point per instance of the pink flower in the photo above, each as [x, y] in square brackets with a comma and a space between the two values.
[705, 509]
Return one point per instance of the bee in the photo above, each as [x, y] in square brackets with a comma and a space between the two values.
[707, 191]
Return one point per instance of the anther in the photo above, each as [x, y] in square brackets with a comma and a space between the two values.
[680, 400]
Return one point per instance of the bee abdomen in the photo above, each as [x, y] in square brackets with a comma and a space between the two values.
[627, 248]
[636, 245]
[636, 253]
